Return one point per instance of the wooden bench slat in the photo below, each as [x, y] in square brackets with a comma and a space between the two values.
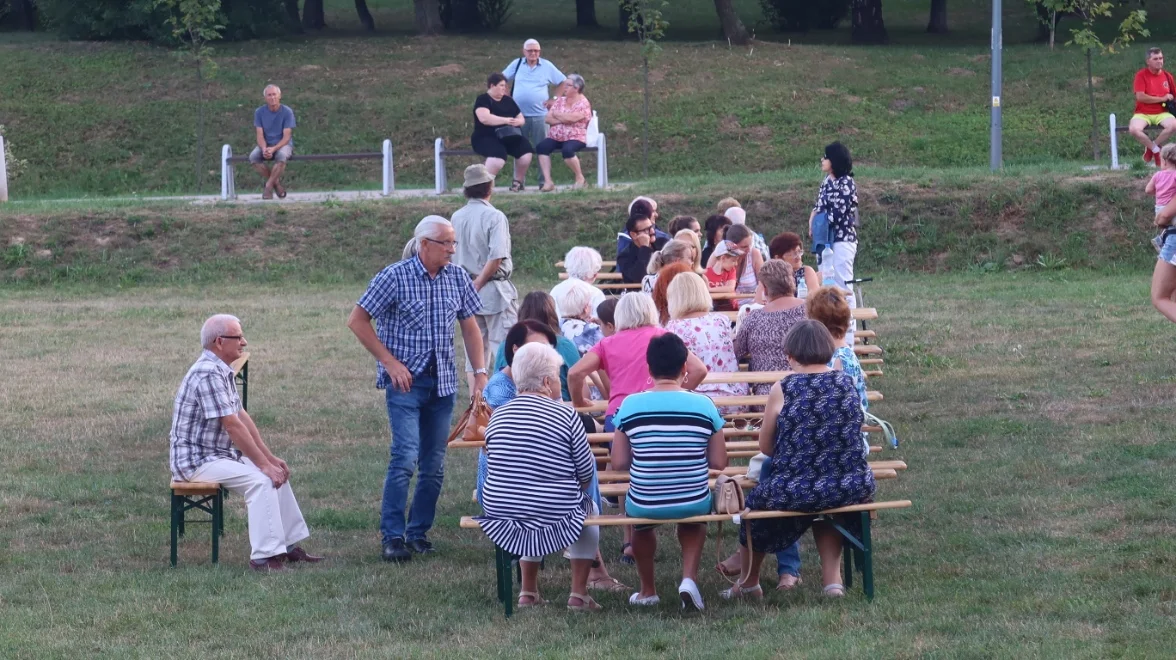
[195, 487]
[857, 313]
[619, 489]
[603, 264]
[468, 522]
[599, 276]
[619, 476]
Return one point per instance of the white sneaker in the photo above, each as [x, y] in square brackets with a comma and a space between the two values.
[648, 601]
[691, 598]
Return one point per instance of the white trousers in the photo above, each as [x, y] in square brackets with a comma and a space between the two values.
[275, 521]
[843, 256]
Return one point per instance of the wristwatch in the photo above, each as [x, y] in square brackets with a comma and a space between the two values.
[480, 371]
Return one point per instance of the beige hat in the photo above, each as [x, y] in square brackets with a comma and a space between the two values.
[476, 175]
[727, 248]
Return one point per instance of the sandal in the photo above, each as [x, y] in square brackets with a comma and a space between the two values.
[627, 559]
[547, 187]
[740, 592]
[725, 572]
[516, 186]
[609, 584]
[579, 185]
[536, 600]
[280, 189]
[586, 603]
[834, 590]
[789, 586]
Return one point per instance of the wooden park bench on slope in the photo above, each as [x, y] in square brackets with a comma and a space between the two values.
[229, 175]
[440, 153]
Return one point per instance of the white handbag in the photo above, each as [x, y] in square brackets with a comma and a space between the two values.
[593, 137]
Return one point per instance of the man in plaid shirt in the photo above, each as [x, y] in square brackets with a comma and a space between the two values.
[415, 303]
[214, 439]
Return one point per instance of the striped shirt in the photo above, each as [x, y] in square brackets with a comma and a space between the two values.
[538, 457]
[668, 433]
[415, 314]
[206, 394]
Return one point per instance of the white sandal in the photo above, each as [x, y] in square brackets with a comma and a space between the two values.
[586, 603]
[740, 592]
[647, 601]
[536, 600]
[834, 590]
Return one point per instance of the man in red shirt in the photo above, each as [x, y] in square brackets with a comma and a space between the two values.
[1153, 88]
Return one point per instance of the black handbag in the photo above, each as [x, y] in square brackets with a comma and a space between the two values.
[1170, 106]
[504, 132]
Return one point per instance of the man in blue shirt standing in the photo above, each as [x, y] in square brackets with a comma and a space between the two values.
[274, 123]
[530, 77]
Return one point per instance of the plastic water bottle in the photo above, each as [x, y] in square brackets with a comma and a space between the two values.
[828, 275]
[801, 289]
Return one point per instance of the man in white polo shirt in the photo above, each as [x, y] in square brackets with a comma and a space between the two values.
[530, 77]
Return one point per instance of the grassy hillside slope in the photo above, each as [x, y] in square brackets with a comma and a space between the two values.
[911, 220]
[115, 118]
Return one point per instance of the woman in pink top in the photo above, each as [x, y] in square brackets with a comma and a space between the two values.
[622, 358]
[568, 118]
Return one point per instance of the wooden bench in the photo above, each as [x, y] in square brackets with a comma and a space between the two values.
[207, 496]
[1115, 130]
[440, 153]
[229, 176]
[857, 550]
[720, 401]
[617, 482]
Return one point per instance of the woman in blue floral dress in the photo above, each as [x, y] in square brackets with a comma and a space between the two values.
[812, 432]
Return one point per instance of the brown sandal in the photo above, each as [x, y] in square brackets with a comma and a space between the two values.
[586, 603]
[517, 186]
[609, 584]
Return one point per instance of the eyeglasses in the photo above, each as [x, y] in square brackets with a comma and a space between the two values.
[531, 50]
[651, 229]
[237, 337]
[447, 244]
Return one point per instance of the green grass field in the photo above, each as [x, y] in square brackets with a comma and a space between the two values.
[101, 119]
[1033, 410]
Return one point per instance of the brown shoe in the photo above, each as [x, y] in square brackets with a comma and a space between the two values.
[280, 189]
[268, 565]
[269, 191]
[298, 554]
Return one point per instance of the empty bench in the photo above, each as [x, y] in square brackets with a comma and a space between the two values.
[440, 153]
[855, 549]
[229, 176]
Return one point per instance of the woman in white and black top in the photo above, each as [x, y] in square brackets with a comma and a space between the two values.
[539, 468]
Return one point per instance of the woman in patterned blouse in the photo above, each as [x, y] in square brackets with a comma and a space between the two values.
[838, 200]
[568, 118]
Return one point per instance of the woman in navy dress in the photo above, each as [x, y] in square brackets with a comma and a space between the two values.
[812, 432]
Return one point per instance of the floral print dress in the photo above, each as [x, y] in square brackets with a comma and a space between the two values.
[709, 338]
[838, 199]
[761, 337]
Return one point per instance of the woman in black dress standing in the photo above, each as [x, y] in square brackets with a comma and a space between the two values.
[498, 131]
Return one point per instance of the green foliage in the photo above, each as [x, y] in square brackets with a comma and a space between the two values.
[194, 23]
[648, 23]
[803, 15]
[12, 164]
[149, 19]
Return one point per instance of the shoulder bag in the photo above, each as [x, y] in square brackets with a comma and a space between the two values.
[472, 425]
[728, 500]
[1170, 106]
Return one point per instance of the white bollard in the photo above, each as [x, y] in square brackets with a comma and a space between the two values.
[228, 190]
[1114, 144]
[3, 173]
[602, 162]
[439, 182]
[389, 176]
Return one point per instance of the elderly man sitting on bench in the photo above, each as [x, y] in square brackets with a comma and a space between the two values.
[213, 439]
[274, 124]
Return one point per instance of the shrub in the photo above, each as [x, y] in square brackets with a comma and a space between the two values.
[12, 165]
[803, 15]
[141, 19]
[475, 15]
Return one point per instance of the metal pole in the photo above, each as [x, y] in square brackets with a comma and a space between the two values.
[994, 159]
[3, 173]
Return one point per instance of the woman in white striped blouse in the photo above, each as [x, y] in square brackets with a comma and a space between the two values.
[539, 467]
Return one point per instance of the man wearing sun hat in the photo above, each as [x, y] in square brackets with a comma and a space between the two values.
[483, 251]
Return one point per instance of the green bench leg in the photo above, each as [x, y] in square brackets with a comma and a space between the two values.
[502, 560]
[867, 560]
[847, 558]
[177, 518]
[218, 523]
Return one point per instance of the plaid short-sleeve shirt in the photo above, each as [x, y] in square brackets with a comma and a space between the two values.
[206, 394]
[415, 315]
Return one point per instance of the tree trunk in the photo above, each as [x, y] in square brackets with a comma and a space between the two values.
[1053, 28]
[26, 14]
[292, 16]
[586, 13]
[733, 28]
[199, 128]
[428, 17]
[938, 22]
[868, 27]
[1093, 112]
[645, 122]
[365, 16]
[312, 15]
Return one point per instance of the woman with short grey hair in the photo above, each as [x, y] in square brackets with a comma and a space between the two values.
[581, 263]
[568, 120]
[539, 468]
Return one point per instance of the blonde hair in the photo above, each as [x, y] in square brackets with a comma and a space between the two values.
[688, 294]
[1168, 154]
[691, 236]
[575, 300]
[635, 310]
[728, 203]
[673, 251]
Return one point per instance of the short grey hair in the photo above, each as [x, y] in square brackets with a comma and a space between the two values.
[429, 227]
[216, 326]
[575, 300]
[1152, 52]
[582, 262]
[269, 87]
[530, 42]
[635, 310]
[533, 363]
[577, 81]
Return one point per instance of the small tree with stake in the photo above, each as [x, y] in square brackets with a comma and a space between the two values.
[194, 23]
[648, 24]
[1091, 12]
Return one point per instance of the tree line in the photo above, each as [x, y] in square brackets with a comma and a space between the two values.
[246, 19]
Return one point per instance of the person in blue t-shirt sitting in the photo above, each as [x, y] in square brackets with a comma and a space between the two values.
[274, 123]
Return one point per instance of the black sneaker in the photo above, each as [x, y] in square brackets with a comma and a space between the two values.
[394, 551]
[420, 546]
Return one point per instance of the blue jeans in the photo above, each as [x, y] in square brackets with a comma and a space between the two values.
[788, 561]
[420, 426]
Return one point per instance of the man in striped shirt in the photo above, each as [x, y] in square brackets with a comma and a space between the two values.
[210, 433]
[415, 303]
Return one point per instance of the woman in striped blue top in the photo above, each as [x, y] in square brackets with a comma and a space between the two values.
[668, 439]
[535, 496]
